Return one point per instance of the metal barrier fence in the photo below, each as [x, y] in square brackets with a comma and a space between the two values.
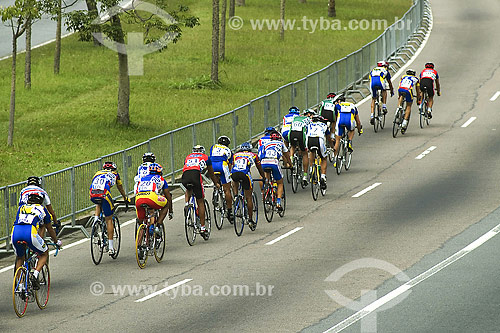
[68, 188]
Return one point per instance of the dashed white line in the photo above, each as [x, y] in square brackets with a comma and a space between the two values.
[156, 293]
[495, 96]
[468, 122]
[283, 236]
[369, 188]
[419, 157]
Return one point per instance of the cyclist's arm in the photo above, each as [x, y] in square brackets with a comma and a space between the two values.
[52, 213]
[212, 175]
[358, 122]
[438, 87]
[168, 195]
[122, 191]
[286, 156]
[259, 168]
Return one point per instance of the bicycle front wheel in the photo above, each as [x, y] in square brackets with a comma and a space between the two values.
[295, 174]
[19, 292]
[255, 212]
[218, 201]
[117, 236]
[239, 215]
[160, 242]
[268, 204]
[208, 222]
[96, 242]
[42, 294]
[281, 212]
[189, 225]
[141, 250]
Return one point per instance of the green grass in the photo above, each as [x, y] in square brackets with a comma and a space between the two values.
[69, 119]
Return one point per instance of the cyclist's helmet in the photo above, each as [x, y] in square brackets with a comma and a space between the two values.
[309, 112]
[317, 118]
[224, 140]
[269, 130]
[199, 149]
[34, 180]
[340, 98]
[155, 169]
[294, 110]
[109, 166]
[35, 198]
[411, 72]
[245, 146]
[429, 65]
[148, 157]
[331, 95]
[381, 63]
[275, 136]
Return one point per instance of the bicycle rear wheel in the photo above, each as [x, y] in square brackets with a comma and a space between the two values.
[295, 174]
[382, 120]
[208, 221]
[141, 251]
[42, 294]
[19, 292]
[347, 158]
[117, 236]
[340, 157]
[96, 242]
[281, 212]
[189, 225]
[422, 110]
[376, 119]
[395, 124]
[268, 203]
[160, 242]
[255, 212]
[219, 211]
[239, 215]
[314, 183]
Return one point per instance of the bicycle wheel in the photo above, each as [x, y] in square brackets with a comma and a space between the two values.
[219, 211]
[397, 121]
[141, 251]
[347, 158]
[19, 292]
[340, 157]
[422, 110]
[288, 175]
[96, 242]
[160, 242]
[189, 225]
[314, 183]
[239, 215]
[42, 294]
[376, 119]
[382, 120]
[295, 174]
[117, 236]
[208, 221]
[427, 119]
[268, 203]
[281, 212]
[255, 212]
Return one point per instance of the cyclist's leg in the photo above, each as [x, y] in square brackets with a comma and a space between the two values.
[322, 154]
[18, 234]
[225, 180]
[373, 90]
[247, 189]
[36, 243]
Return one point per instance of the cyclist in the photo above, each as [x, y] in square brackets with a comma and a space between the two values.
[194, 164]
[143, 169]
[405, 91]
[317, 131]
[427, 78]
[100, 194]
[347, 114]
[242, 163]
[221, 157]
[297, 137]
[267, 135]
[327, 111]
[152, 190]
[380, 79]
[30, 217]
[287, 122]
[269, 154]
[34, 186]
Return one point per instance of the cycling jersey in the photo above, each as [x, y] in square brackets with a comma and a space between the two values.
[196, 161]
[427, 78]
[346, 117]
[29, 218]
[379, 77]
[287, 122]
[429, 73]
[25, 192]
[406, 86]
[152, 183]
[327, 108]
[316, 132]
[298, 130]
[221, 157]
[270, 153]
[142, 171]
[243, 161]
[100, 190]
[150, 192]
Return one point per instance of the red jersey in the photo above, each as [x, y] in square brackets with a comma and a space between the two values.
[429, 73]
[196, 161]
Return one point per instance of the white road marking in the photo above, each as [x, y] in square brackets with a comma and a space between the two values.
[178, 199]
[283, 236]
[369, 188]
[495, 96]
[419, 157]
[156, 293]
[468, 122]
[413, 282]
[37, 46]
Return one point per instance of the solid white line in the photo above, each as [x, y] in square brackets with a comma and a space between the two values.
[283, 236]
[178, 199]
[413, 282]
[468, 122]
[369, 188]
[419, 157]
[156, 293]
[495, 96]
[8, 268]
[37, 46]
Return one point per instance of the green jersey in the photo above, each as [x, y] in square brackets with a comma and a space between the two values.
[299, 123]
[327, 104]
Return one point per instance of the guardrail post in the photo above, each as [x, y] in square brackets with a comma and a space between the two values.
[73, 197]
[149, 145]
[292, 94]
[7, 218]
[125, 171]
[307, 92]
[250, 116]
[214, 131]
[193, 128]
[235, 123]
[172, 156]
[279, 106]
[318, 88]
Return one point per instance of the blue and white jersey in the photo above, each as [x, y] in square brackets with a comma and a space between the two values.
[142, 171]
[346, 107]
[317, 129]
[220, 153]
[32, 214]
[287, 121]
[25, 192]
[271, 151]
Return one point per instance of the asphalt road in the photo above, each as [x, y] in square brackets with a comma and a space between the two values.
[423, 211]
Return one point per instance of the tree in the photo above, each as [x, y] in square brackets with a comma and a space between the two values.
[302, 1]
[241, 3]
[159, 29]
[282, 19]
[331, 8]
[16, 16]
[56, 11]
[231, 8]
[222, 42]
[214, 76]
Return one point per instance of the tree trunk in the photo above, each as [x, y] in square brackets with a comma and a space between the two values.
[282, 19]
[10, 136]
[223, 31]
[241, 2]
[92, 9]
[331, 8]
[27, 59]
[231, 8]
[57, 54]
[302, 1]
[215, 41]
[122, 115]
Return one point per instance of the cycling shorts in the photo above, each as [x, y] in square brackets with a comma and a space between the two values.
[192, 179]
[317, 143]
[275, 169]
[223, 169]
[244, 178]
[328, 114]
[296, 138]
[428, 84]
[105, 201]
[408, 93]
[27, 233]
[377, 84]
[152, 199]
[284, 134]
[344, 121]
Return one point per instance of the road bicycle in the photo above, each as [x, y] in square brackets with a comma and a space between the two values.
[315, 175]
[150, 238]
[270, 197]
[240, 211]
[192, 224]
[297, 171]
[22, 285]
[398, 118]
[99, 235]
[219, 205]
[379, 115]
[344, 157]
[423, 107]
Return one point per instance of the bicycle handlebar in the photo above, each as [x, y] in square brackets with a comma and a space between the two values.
[56, 246]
